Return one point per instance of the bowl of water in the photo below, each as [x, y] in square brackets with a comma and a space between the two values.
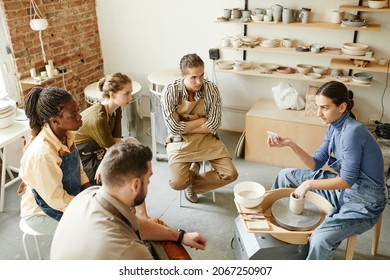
[249, 194]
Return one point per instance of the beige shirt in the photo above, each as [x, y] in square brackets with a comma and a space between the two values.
[96, 226]
[40, 169]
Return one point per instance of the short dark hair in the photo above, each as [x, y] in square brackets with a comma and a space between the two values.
[191, 60]
[124, 161]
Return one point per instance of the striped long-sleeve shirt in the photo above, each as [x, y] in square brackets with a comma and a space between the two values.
[170, 100]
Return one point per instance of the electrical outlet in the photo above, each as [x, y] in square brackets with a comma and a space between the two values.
[373, 119]
[61, 69]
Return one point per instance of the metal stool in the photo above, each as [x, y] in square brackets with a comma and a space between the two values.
[204, 163]
[29, 231]
[351, 242]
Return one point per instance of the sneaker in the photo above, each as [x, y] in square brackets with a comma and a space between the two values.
[191, 195]
[195, 167]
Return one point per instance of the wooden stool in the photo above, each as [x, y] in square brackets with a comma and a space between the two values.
[204, 163]
[351, 242]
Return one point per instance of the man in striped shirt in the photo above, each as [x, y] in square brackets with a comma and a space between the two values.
[191, 108]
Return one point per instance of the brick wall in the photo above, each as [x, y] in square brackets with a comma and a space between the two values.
[71, 40]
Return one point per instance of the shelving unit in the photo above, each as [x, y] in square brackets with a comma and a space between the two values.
[321, 25]
[292, 51]
[347, 64]
[346, 8]
[294, 76]
[338, 61]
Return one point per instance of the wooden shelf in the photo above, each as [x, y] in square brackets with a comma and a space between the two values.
[348, 64]
[28, 83]
[284, 50]
[295, 76]
[345, 8]
[315, 24]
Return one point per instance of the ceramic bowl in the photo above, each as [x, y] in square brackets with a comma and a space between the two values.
[304, 68]
[7, 118]
[267, 67]
[354, 23]
[377, 4]
[257, 17]
[363, 76]
[320, 69]
[225, 64]
[249, 194]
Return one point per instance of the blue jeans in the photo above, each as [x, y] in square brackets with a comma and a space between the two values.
[355, 211]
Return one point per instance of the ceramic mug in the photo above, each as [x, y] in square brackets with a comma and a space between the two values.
[286, 42]
[33, 73]
[287, 15]
[304, 15]
[227, 13]
[237, 13]
[236, 43]
[277, 15]
[246, 13]
[267, 18]
[225, 42]
[296, 205]
[336, 17]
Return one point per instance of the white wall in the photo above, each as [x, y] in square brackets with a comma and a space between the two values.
[142, 36]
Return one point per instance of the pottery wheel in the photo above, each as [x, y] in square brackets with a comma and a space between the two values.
[309, 218]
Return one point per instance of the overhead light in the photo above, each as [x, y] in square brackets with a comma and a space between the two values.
[38, 23]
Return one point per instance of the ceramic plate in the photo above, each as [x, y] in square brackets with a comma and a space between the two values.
[353, 52]
[355, 46]
[309, 218]
[285, 70]
[225, 64]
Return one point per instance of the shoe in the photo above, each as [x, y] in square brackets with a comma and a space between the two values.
[191, 195]
[195, 167]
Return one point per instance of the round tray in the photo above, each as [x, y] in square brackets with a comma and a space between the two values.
[309, 218]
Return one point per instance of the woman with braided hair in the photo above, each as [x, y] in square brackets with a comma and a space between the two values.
[355, 185]
[51, 168]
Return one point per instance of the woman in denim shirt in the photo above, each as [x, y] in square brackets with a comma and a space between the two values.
[355, 186]
[51, 168]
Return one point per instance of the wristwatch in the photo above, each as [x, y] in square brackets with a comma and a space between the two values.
[181, 234]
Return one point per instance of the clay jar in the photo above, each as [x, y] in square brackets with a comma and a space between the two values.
[296, 204]
[237, 13]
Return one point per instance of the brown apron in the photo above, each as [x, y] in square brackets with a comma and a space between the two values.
[197, 146]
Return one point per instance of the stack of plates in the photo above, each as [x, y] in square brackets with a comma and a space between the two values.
[7, 112]
[362, 77]
[225, 64]
[354, 23]
[271, 43]
[250, 40]
[354, 49]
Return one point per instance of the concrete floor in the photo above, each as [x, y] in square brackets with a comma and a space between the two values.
[213, 220]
